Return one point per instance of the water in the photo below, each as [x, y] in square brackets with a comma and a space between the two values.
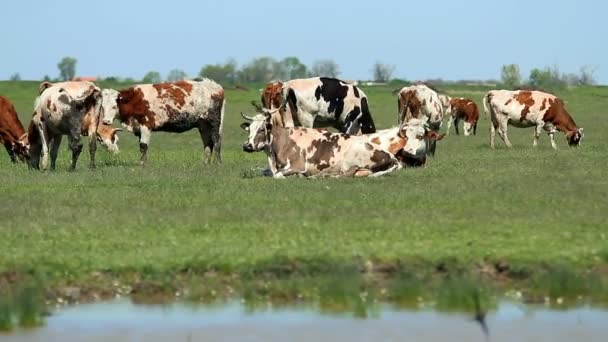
[124, 321]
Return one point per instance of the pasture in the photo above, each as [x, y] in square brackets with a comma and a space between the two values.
[528, 208]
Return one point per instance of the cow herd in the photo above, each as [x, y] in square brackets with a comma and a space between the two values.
[288, 126]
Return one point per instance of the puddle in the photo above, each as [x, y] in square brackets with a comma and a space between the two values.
[124, 321]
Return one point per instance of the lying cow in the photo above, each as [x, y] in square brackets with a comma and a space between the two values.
[317, 152]
[12, 134]
[330, 101]
[170, 107]
[60, 109]
[524, 108]
[462, 109]
[420, 102]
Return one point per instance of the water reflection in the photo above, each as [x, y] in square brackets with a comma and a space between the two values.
[236, 321]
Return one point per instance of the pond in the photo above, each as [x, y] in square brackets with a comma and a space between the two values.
[121, 320]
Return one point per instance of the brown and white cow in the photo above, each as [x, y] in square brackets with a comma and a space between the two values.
[61, 109]
[321, 102]
[525, 108]
[12, 133]
[460, 108]
[170, 107]
[445, 101]
[421, 102]
[317, 152]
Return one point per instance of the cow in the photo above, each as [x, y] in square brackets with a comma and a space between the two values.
[321, 100]
[421, 102]
[170, 107]
[12, 133]
[313, 152]
[62, 109]
[462, 109]
[525, 108]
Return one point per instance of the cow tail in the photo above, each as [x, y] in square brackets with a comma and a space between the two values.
[486, 103]
[366, 122]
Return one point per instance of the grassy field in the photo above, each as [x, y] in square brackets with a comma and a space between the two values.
[523, 207]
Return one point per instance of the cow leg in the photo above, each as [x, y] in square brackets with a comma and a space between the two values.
[502, 133]
[450, 120]
[537, 130]
[55, 143]
[396, 166]
[492, 135]
[11, 152]
[551, 132]
[206, 131]
[44, 141]
[75, 145]
[92, 148]
[144, 141]
[456, 122]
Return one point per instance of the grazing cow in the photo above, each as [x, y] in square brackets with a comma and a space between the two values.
[462, 109]
[60, 109]
[317, 152]
[171, 107]
[525, 108]
[421, 102]
[12, 134]
[333, 102]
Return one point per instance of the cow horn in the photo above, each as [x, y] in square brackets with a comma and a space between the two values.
[246, 117]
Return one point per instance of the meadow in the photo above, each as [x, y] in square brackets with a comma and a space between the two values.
[518, 210]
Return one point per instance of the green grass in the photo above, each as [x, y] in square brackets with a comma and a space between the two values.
[524, 207]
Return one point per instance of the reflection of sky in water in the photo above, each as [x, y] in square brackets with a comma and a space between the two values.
[123, 321]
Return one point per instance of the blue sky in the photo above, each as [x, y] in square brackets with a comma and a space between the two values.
[467, 39]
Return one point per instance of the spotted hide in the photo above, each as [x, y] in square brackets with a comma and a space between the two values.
[170, 107]
[462, 109]
[72, 109]
[525, 108]
[317, 152]
[320, 102]
[12, 134]
[420, 102]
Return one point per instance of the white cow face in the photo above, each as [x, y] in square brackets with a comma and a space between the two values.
[575, 138]
[107, 135]
[109, 106]
[468, 128]
[418, 137]
[259, 132]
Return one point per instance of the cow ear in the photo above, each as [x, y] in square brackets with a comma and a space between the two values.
[245, 126]
[434, 136]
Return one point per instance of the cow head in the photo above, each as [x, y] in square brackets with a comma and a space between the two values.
[259, 129]
[109, 106]
[469, 128]
[574, 138]
[21, 148]
[418, 137]
[108, 137]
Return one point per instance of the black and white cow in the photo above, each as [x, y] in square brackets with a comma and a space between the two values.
[322, 101]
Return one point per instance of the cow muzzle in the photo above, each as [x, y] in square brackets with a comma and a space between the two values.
[247, 147]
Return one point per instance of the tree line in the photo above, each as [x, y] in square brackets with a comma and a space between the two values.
[265, 69]
[548, 78]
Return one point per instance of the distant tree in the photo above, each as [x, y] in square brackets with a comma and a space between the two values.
[222, 73]
[15, 77]
[547, 78]
[176, 75]
[586, 76]
[47, 78]
[510, 76]
[67, 68]
[152, 77]
[291, 68]
[326, 67]
[383, 72]
[261, 69]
